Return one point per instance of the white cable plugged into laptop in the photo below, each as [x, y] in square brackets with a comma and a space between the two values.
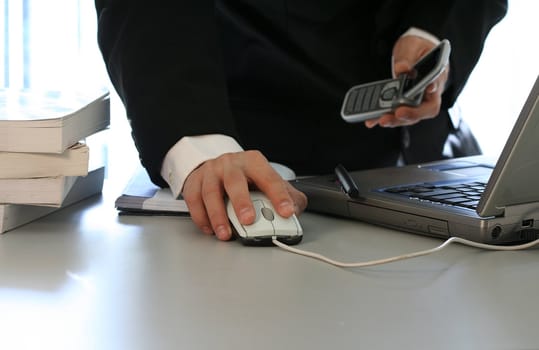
[404, 256]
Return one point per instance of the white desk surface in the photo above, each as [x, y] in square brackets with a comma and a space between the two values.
[86, 278]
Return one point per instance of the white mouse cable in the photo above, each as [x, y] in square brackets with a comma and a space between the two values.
[405, 256]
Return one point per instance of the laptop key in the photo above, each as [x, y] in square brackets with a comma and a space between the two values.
[465, 195]
[469, 204]
[448, 196]
[456, 200]
[436, 192]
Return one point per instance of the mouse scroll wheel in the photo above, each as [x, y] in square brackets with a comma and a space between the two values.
[267, 213]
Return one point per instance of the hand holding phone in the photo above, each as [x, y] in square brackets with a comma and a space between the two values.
[371, 100]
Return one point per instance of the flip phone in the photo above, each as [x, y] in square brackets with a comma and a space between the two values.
[371, 100]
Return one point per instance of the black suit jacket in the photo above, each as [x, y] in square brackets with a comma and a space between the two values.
[272, 73]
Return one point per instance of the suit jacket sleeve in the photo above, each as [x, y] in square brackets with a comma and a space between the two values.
[465, 23]
[165, 63]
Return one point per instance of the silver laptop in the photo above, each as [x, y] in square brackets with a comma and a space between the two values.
[476, 198]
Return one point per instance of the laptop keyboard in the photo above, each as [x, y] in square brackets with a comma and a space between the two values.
[465, 195]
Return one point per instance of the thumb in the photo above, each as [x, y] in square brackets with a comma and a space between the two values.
[401, 65]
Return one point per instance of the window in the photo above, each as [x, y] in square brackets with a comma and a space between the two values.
[49, 44]
[500, 83]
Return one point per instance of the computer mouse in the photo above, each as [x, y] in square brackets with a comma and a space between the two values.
[267, 224]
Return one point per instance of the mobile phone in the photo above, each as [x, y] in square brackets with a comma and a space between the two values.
[371, 100]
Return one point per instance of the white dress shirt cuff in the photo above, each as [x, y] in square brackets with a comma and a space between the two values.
[422, 34]
[191, 151]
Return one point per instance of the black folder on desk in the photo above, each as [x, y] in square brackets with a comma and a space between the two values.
[477, 198]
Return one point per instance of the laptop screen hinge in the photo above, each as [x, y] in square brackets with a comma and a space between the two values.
[526, 210]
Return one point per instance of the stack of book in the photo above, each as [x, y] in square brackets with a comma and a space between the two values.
[46, 162]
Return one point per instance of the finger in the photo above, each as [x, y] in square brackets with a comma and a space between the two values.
[429, 108]
[192, 195]
[432, 88]
[402, 66]
[300, 199]
[267, 180]
[212, 195]
[410, 48]
[405, 116]
[388, 120]
[237, 189]
[371, 123]
[437, 86]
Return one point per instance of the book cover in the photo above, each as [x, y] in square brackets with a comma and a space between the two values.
[50, 121]
[16, 215]
[142, 197]
[72, 162]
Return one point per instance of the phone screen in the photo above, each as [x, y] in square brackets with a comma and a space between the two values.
[421, 69]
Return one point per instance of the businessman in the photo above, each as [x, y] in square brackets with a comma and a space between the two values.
[216, 89]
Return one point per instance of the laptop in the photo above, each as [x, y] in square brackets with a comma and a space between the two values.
[476, 198]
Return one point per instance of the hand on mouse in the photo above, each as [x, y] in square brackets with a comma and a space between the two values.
[232, 175]
[406, 52]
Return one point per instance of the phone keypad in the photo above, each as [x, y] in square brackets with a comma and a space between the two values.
[389, 94]
[370, 97]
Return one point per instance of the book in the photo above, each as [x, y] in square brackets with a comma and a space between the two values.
[16, 215]
[50, 121]
[72, 162]
[142, 197]
[47, 191]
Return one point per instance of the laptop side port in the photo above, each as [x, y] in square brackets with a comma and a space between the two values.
[528, 223]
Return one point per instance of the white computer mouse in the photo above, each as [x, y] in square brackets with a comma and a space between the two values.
[267, 224]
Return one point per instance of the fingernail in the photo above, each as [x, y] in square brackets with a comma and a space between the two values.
[207, 230]
[286, 207]
[222, 232]
[246, 216]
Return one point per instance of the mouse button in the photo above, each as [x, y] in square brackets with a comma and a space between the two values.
[260, 226]
[258, 205]
[287, 226]
[267, 213]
